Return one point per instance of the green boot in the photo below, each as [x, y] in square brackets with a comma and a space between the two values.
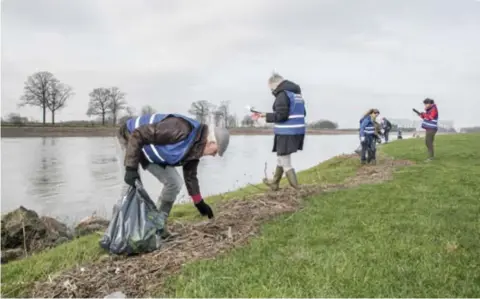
[275, 182]
[292, 178]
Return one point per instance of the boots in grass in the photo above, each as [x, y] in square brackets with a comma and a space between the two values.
[292, 178]
[274, 184]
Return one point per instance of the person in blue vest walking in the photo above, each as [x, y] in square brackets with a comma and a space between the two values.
[288, 117]
[159, 143]
[369, 136]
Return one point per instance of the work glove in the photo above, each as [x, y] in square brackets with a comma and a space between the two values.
[131, 175]
[204, 209]
[362, 139]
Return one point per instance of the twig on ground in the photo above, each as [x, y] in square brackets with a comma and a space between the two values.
[24, 237]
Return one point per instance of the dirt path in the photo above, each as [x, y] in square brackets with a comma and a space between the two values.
[236, 221]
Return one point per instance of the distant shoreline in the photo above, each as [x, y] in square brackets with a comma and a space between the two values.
[71, 131]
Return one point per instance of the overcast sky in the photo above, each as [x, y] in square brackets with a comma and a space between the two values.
[347, 55]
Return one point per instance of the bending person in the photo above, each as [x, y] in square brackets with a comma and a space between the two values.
[159, 143]
[369, 136]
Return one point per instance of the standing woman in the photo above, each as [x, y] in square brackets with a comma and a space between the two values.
[430, 124]
[288, 117]
[368, 136]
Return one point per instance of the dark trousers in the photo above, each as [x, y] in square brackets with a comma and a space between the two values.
[385, 135]
[429, 140]
[369, 149]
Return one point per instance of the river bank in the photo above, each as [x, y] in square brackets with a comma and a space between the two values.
[343, 237]
[100, 131]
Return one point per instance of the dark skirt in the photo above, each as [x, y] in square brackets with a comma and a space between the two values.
[287, 144]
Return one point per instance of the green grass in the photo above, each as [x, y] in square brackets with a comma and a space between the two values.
[17, 276]
[414, 236]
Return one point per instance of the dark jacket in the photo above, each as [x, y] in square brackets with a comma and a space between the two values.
[168, 131]
[284, 144]
[387, 125]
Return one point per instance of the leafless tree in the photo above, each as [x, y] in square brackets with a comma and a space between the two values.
[58, 94]
[147, 109]
[247, 121]
[35, 91]
[99, 103]
[221, 115]
[16, 119]
[116, 102]
[232, 121]
[201, 110]
[218, 119]
[224, 110]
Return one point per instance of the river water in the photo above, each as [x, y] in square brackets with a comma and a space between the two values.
[72, 177]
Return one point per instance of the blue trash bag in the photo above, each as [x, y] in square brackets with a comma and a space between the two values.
[134, 225]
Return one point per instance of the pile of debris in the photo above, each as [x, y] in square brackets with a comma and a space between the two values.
[24, 232]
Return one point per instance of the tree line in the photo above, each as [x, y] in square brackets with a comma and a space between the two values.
[44, 90]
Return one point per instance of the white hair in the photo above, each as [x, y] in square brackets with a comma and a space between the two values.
[211, 134]
[275, 79]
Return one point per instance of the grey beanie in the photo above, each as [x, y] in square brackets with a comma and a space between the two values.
[222, 136]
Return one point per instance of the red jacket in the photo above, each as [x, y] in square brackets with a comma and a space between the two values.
[430, 118]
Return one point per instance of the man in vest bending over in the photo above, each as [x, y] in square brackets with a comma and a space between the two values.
[159, 143]
[288, 117]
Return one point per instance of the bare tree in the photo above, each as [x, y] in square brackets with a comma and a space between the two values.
[247, 121]
[35, 91]
[16, 119]
[218, 119]
[232, 121]
[116, 102]
[224, 110]
[58, 94]
[129, 113]
[222, 117]
[201, 110]
[99, 103]
[147, 109]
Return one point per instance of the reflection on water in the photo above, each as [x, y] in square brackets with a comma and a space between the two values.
[73, 177]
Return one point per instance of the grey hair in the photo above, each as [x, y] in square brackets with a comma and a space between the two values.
[211, 134]
[275, 79]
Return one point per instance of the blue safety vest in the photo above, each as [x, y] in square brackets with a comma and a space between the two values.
[168, 154]
[369, 129]
[295, 125]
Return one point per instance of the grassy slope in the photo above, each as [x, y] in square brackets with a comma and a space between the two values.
[18, 275]
[415, 236]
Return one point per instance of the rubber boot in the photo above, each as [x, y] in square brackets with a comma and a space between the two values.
[274, 184]
[292, 178]
[163, 231]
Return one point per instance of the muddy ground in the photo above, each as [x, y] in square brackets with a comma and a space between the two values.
[235, 223]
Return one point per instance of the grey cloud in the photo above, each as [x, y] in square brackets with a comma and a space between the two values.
[51, 15]
[347, 55]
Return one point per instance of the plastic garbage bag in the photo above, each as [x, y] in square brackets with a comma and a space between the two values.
[134, 225]
[358, 151]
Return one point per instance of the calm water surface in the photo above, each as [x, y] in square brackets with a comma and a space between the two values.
[71, 178]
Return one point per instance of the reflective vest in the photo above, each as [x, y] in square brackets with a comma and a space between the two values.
[431, 124]
[168, 154]
[295, 125]
[369, 129]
